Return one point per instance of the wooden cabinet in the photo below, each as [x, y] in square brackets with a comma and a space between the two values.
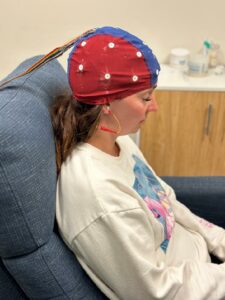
[186, 136]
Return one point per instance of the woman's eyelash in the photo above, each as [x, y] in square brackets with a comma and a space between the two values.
[147, 98]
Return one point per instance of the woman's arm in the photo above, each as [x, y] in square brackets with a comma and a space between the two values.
[213, 234]
[203, 195]
[119, 249]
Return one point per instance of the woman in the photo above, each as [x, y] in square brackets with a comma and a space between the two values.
[124, 224]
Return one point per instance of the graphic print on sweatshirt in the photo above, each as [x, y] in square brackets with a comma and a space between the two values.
[151, 191]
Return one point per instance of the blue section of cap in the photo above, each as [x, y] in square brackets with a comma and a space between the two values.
[149, 57]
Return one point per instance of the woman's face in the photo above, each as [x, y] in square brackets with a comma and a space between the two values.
[132, 111]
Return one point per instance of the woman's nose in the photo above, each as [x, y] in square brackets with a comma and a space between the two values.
[153, 106]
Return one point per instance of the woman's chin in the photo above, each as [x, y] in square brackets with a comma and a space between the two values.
[135, 130]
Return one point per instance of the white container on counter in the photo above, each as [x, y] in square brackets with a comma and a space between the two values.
[198, 64]
[179, 58]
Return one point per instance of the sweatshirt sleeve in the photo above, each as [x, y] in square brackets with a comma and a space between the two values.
[119, 249]
[212, 234]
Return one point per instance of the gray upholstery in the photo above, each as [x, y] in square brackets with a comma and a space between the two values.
[33, 259]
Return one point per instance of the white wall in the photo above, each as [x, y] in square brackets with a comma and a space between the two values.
[31, 27]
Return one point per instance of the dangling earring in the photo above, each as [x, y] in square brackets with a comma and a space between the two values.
[104, 128]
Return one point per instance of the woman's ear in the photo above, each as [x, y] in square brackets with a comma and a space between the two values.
[106, 109]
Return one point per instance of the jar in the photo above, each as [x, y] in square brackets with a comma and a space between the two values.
[179, 58]
[198, 64]
[214, 55]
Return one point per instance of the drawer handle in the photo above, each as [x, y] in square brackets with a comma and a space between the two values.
[223, 129]
[209, 118]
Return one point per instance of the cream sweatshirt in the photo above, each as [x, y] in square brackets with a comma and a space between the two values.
[130, 233]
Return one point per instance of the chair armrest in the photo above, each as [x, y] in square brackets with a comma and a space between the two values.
[204, 195]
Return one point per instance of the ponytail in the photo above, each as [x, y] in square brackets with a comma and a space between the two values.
[73, 122]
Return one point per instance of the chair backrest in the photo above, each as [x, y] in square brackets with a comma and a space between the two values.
[31, 252]
[27, 156]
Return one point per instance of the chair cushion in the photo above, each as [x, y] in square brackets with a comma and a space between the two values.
[52, 272]
[9, 289]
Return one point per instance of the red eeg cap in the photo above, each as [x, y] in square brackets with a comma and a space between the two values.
[110, 64]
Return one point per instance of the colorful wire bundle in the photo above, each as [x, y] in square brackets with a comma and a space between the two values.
[48, 57]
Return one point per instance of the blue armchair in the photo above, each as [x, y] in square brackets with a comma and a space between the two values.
[34, 261]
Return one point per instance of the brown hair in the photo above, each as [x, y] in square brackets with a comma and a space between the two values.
[73, 122]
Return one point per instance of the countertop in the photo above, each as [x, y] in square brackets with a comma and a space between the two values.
[173, 79]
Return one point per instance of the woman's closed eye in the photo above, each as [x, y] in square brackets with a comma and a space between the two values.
[147, 95]
[149, 98]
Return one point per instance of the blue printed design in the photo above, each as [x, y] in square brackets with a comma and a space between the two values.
[151, 191]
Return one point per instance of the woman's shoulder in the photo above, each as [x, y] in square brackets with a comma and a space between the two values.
[75, 164]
